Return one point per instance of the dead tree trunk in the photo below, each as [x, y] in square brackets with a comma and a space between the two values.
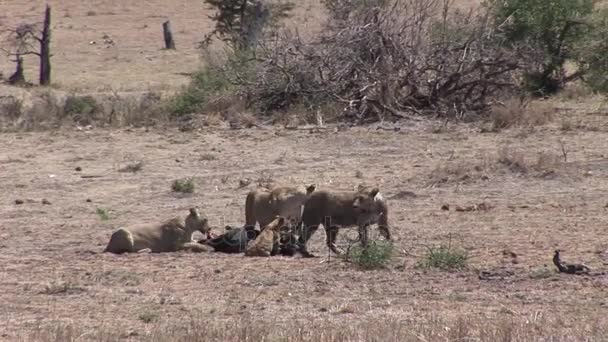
[45, 49]
[252, 24]
[17, 77]
[168, 35]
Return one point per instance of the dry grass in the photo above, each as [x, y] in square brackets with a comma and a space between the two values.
[48, 108]
[503, 327]
[543, 164]
[152, 297]
[515, 113]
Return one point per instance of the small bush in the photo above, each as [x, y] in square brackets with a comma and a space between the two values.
[103, 214]
[148, 317]
[183, 185]
[11, 108]
[206, 87]
[516, 113]
[445, 258]
[60, 286]
[376, 255]
[542, 273]
[512, 159]
[135, 167]
[81, 108]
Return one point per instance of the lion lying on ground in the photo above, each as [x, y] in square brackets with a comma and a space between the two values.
[263, 205]
[170, 236]
[342, 209]
[267, 243]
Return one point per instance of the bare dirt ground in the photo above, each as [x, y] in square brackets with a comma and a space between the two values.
[52, 270]
[83, 62]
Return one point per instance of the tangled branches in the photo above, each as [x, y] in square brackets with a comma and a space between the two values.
[402, 58]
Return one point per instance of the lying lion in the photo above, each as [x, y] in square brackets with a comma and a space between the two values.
[171, 236]
[267, 243]
[360, 208]
[263, 205]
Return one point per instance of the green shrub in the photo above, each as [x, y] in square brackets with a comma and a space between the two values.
[549, 30]
[212, 82]
[376, 255]
[445, 258]
[183, 185]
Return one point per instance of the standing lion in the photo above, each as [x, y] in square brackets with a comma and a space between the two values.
[360, 208]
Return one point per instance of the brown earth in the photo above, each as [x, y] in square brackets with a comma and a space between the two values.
[53, 270]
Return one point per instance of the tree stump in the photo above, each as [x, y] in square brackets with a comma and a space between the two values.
[168, 35]
[45, 49]
[17, 77]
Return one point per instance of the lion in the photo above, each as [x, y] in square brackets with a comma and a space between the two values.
[170, 236]
[263, 205]
[267, 243]
[362, 208]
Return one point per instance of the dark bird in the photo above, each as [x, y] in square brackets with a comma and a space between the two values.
[569, 268]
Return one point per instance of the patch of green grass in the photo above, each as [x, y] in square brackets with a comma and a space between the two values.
[183, 185]
[104, 214]
[377, 255]
[445, 258]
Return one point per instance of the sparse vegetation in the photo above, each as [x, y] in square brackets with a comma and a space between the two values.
[365, 63]
[133, 167]
[148, 317]
[183, 185]
[518, 113]
[208, 157]
[103, 214]
[504, 327]
[444, 258]
[542, 273]
[376, 255]
[61, 287]
[81, 109]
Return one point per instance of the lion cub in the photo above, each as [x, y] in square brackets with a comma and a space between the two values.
[170, 236]
[267, 243]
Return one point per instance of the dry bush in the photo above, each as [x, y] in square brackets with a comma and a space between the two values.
[514, 160]
[385, 62]
[544, 164]
[134, 110]
[48, 109]
[460, 171]
[513, 112]
[42, 112]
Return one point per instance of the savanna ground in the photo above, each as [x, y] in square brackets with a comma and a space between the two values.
[541, 187]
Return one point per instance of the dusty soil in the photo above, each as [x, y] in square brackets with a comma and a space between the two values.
[84, 61]
[52, 269]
